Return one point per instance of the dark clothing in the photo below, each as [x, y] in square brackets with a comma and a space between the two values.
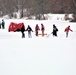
[42, 29]
[54, 30]
[23, 35]
[29, 29]
[22, 31]
[36, 33]
[0, 25]
[3, 24]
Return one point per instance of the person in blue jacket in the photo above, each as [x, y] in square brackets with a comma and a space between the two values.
[3, 24]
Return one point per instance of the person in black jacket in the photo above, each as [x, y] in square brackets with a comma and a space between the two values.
[29, 29]
[55, 30]
[22, 31]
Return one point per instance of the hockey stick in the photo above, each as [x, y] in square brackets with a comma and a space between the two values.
[48, 35]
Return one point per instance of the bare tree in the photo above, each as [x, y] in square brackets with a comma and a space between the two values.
[37, 7]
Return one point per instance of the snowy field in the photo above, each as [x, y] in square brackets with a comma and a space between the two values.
[38, 55]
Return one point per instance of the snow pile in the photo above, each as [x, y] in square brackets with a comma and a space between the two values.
[47, 16]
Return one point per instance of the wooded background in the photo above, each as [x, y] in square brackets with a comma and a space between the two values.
[37, 7]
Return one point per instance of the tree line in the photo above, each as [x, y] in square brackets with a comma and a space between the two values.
[37, 7]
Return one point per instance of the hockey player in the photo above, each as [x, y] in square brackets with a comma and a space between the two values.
[55, 30]
[3, 24]
[22, 31]
[37, 29]
[67, 29]
[42, 29]
[29, 29]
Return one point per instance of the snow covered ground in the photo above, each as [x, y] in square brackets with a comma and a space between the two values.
[38, 55]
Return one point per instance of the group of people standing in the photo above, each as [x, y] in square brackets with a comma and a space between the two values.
[37, 29]
[67, 29]
[2, 24]
[29, 29]
[55, 30]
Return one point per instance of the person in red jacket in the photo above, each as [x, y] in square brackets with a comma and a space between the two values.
[42, 29]
[67, 29]
[37, 29]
